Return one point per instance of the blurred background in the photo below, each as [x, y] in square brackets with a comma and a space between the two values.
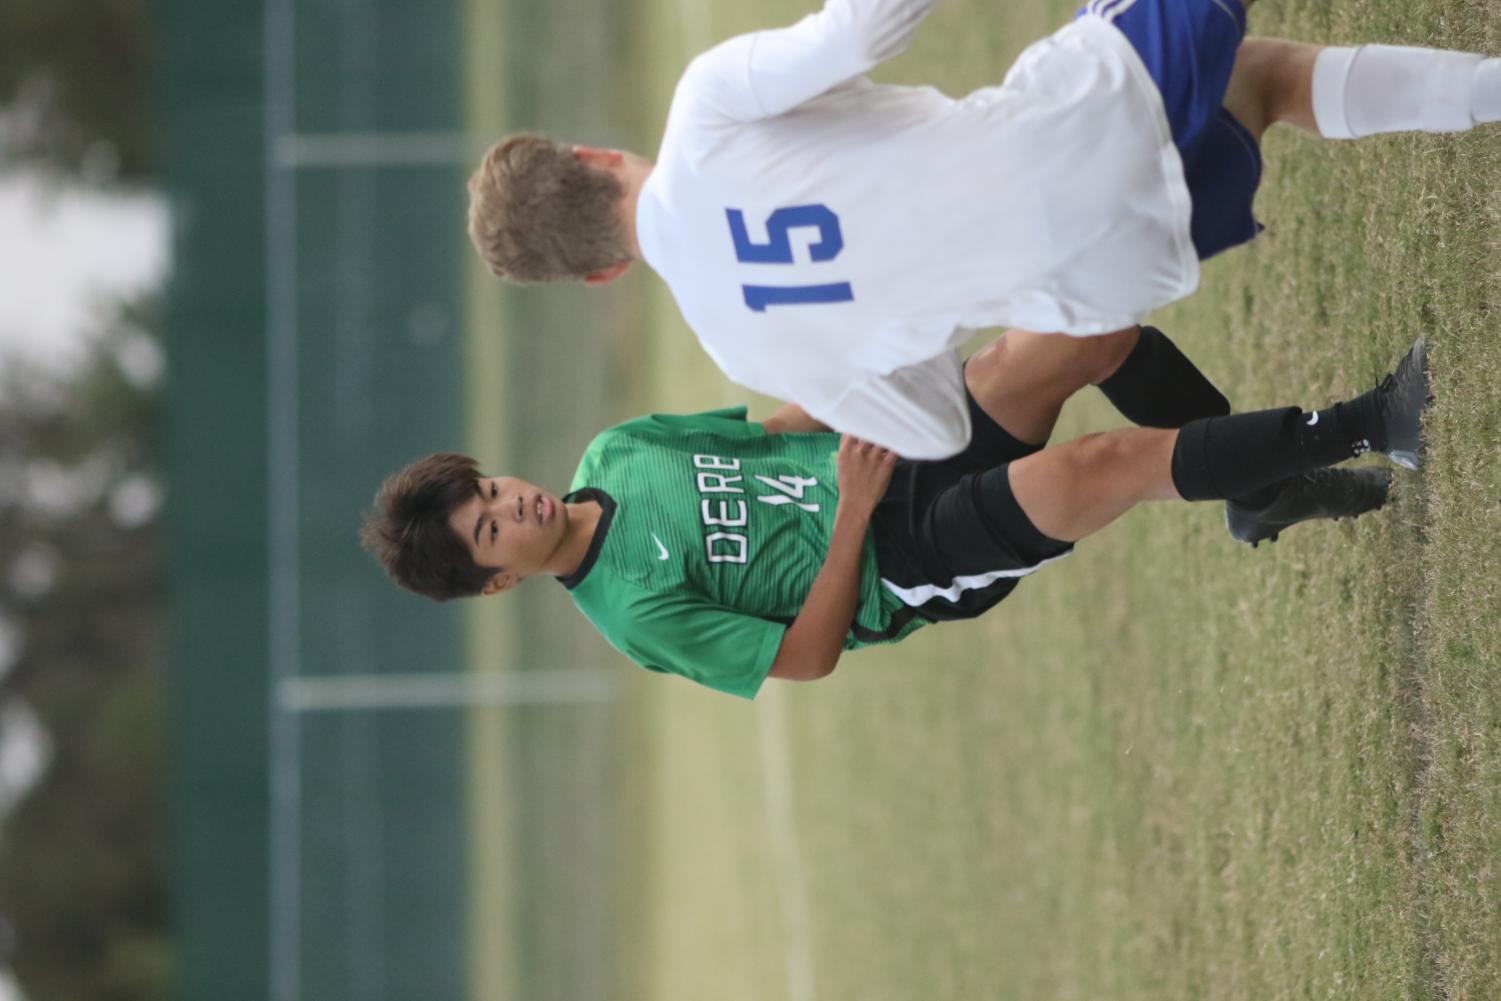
[85, 240]
[236, 763]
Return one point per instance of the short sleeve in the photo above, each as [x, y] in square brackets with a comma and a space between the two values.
[918, 411]
[680, 634]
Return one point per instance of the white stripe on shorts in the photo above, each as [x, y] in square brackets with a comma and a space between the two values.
[1112, 9]
[1221, 5]
[924, 593]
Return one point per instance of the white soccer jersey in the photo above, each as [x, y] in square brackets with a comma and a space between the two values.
[831, 240]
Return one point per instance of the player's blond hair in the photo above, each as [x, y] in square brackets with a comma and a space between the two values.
[539, 214]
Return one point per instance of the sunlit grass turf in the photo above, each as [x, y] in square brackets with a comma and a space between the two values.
[1170, 767]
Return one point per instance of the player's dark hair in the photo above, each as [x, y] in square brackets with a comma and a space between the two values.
[539, 214]
[407, 529]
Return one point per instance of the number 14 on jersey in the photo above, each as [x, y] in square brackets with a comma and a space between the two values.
[778, 250]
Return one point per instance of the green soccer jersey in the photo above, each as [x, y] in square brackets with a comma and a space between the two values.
[711, 536]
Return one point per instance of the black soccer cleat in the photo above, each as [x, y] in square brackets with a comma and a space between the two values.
[1400, 400]
[1323, 493]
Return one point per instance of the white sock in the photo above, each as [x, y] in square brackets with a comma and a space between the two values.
[1390, 88]
[1488, 91]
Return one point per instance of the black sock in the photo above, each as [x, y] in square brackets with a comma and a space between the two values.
[1361, 422]
[1239, 455]
[1158, 387]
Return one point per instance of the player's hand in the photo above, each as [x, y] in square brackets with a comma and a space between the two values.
[864, 474]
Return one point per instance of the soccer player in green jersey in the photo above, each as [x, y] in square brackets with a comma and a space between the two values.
[729, 551]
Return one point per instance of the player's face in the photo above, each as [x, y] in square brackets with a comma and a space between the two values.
[511, 525]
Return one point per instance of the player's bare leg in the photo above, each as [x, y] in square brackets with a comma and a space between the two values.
[1077, 488]
[1072, 490]
[1347, 93]
[1021, 379]
[1272, 82]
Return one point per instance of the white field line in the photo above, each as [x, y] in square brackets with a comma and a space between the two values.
[792, 890]
[446, 691]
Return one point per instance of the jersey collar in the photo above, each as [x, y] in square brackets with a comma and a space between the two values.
[606, 515]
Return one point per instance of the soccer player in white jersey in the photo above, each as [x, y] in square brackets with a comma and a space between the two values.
[728, 552]
[831, 240]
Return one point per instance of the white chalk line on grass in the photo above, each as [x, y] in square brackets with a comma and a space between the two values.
[455, 690]
[792, 890]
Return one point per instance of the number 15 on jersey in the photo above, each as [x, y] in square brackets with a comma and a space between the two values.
[778, 250]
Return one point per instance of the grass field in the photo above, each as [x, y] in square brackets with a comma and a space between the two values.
[1169, 768]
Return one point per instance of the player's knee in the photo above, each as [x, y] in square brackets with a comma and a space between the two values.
[1121, 455]
[1085, 360]
[1280, 73]
[1092, 455]
[1110, 352]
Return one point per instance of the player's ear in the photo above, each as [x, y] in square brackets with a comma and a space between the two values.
[502, 581]
[603, 159]
[606, 275]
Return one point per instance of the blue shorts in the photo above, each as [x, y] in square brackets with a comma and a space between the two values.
[1189, 48]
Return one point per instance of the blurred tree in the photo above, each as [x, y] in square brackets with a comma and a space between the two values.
[81, 871]
[75, 76]
[82, 888]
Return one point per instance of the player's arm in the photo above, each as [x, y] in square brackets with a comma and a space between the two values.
[768, 72]
[812, 644]
[792, 419]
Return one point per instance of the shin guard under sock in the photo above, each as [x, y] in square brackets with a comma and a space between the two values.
[1158, 387]
[1237, 455]
[1391, 88]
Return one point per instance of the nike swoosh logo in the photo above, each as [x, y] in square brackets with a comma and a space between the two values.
[660, 548]
[1313, 418]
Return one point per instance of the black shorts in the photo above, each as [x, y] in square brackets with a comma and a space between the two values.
[950, 539]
